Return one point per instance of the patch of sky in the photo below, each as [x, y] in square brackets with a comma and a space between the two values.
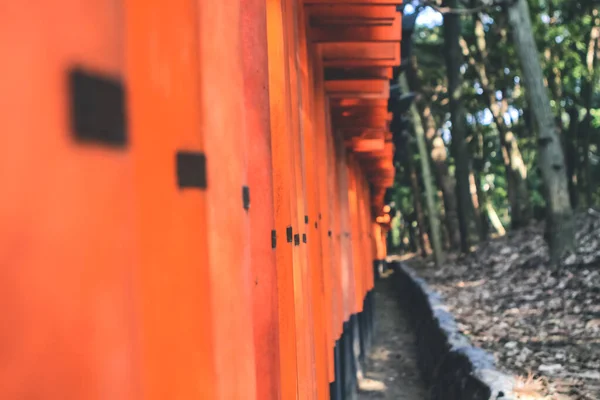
[427, 17]
[545, 18]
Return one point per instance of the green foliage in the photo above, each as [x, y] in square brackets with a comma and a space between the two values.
[562, 30]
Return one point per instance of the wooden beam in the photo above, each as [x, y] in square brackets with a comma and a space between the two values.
[372, 2]
[333, 74]
[351, 28]
[361, 88]
[351, 14]
[360, 111]
[360, 145]
[357, 102]
[348, 133]
[360, 54]
[365, 121]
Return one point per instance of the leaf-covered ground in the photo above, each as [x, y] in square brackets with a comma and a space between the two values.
[534, 319]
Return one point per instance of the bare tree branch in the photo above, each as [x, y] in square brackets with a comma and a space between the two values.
[486, 5]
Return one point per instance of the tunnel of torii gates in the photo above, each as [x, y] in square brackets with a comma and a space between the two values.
[190, 194]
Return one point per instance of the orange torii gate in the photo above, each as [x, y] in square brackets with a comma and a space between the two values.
[192, 210]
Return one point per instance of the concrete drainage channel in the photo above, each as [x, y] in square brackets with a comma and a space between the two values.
[351, 350]
[451, 366]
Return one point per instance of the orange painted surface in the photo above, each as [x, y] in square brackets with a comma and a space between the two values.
[302, 289]
[366, 246]
[282, 199]
[354, 235]
[347, 274]
[67, 258]
[131, 287]
[178, 354]
[313, 241]
[352, 22]
[335, 230]
[361, 54]
[222, 122]
[262, 217]
[380, 2]
[358, 88]
[322, 222]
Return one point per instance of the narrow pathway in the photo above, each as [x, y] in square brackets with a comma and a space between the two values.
[391, 371]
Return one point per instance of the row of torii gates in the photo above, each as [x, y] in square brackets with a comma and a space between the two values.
[191, 194]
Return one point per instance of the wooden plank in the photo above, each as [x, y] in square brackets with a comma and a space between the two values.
[323, 217]
[229, 246]
[360, 145]
[355, 28]
[68, 249]
[379, 2]
[304, 338]
[335, 229]
[368, 121]
[361, 88]
[359, 112]
[261, 211]
[350, 14]
[357, 54]
[282, 197]
[310, 239]
[352, 168]
[357, 102]
[359, 73]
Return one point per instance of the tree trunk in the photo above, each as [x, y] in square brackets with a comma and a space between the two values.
[444, 227]
[474, 189]
[516, 171]
[452, 26]
[572, 155]
[439, 158]
[447, 184]
[485, 226]
[559, 224]
[423, 237]
[434, 222]
[413, 240]
[478, 173]
[587, 94]
[494, 219]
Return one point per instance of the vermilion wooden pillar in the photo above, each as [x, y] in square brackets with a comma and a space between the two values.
[282, 196]
[355, 234]
[345, 230]
[229, 196]
[304, 323]
[67, 236]
[335, 232]
[324, 218]
[261, 212]
[365, 226]
[176, 320]
[313, 240]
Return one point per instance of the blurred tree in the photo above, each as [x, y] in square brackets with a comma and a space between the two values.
[529, 131]
[559, 223]
[452, 31]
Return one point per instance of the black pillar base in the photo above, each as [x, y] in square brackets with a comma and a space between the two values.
[353, 347]
[348, 362]
[363, 333]
[335, 387]
[377, 269]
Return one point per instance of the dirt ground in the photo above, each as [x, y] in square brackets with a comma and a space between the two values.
[391, 370]
[537, 321]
